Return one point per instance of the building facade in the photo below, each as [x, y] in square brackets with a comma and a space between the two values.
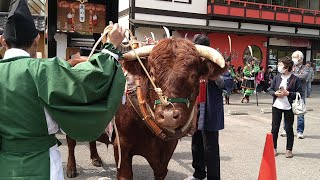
[273, 28]
[73, 24]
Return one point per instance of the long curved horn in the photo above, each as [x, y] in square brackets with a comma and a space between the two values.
[250, 49]
[141, 52]
[153, 37]
[229, 43]
[167, 32]
[211, 54]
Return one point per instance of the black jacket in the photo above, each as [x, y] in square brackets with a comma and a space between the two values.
[268, 76]
[293, 86]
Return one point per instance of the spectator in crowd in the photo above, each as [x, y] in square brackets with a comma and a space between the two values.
[205, 141]
[260, 80]
[235, 82]
[283, 89]
[239, 77]
[268, 76]
[228, 77]
[309, 78]
[302, 73]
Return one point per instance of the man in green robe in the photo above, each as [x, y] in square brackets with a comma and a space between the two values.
[39, 96]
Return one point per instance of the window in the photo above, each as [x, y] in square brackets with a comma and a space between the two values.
[314, 5]
[262, 1]
[291, 3]
[220, 1]
[316, 64]
[278, 2]
[256, 51]
[304, 4]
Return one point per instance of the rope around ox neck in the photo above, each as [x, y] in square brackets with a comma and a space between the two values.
[163, 99]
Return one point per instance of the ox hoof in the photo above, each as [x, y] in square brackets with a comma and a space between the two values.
[97, 162]
[72, 174]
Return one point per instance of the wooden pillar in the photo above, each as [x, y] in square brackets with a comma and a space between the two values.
[52, 28]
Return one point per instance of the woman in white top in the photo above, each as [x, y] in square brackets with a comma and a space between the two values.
[283, 88]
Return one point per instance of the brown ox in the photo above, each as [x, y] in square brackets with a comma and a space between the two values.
[152, 129]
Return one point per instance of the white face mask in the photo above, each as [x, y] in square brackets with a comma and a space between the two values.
[295, 61]
[281, 69]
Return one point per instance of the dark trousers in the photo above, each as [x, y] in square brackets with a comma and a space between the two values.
[276, 120]
[205, 153]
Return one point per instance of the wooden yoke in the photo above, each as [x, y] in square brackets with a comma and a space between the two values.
[147, 118]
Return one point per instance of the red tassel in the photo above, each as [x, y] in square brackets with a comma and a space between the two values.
[202, 91]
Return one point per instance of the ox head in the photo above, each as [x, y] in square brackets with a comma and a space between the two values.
[175, 65]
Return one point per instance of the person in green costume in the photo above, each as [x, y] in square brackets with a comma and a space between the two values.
[249, 71]
[39, 96]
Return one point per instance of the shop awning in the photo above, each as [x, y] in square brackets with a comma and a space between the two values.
[39, 21]
[176, 26]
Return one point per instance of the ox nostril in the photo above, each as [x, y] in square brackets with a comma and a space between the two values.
[176, 114]
[169, 115]
[161, 114]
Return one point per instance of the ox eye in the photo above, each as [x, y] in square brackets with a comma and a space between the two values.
[193, 76]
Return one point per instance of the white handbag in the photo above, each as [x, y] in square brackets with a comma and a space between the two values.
[298, 106]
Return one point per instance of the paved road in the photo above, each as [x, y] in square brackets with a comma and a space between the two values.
[241, 143]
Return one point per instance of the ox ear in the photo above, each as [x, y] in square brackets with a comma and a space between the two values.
[210, 69]
[130, 62]
[134, 67]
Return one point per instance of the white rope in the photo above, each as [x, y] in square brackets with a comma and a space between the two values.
[118, 142]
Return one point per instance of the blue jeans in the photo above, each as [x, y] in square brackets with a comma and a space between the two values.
[309, 88]
[300, 125]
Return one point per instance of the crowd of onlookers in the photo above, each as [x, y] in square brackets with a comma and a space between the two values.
[264, 77]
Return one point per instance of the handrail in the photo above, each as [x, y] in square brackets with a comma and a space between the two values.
[274, 7]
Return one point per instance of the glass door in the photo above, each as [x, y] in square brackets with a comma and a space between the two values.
[278, 52]
[316, 64]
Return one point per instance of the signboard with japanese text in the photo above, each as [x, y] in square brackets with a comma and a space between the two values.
[86, 18]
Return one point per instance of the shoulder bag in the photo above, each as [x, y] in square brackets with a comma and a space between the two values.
[298, 106]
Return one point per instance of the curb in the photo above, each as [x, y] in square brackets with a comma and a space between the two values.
[233, 112]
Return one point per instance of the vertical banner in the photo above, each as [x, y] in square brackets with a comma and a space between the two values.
[82, 13]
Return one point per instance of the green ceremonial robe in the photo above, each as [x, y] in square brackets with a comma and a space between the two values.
[81, 99]
[248, 72]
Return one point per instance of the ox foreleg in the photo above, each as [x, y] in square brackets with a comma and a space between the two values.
[71, 167]
[95, 158]
[160, 158]
[125, 170]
